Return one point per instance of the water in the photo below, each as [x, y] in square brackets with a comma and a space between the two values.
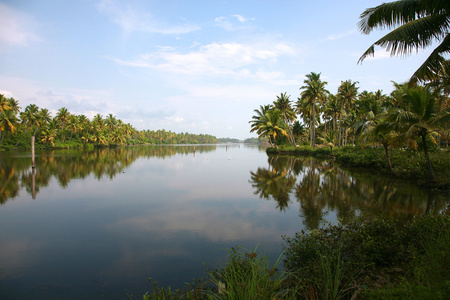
[96, 225]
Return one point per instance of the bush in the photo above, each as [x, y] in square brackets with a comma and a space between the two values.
[337, 261]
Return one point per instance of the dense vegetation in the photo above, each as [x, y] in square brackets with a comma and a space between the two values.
[69, 130]
[415, 117]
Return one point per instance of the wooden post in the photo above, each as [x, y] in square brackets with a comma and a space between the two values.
[33, 164]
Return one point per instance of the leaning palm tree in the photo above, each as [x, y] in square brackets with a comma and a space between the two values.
[271, 125]
[420, 22]
[313, 91]
[419, 118]
[258, 119]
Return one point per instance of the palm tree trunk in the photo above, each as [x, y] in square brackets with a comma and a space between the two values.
[388, 160]
[313, 128]
[21, 137]
[427, 157]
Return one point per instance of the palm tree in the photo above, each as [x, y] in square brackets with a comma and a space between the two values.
[329, 139]
[420, 22]
[14, 105]
[313, 91]
[62, 116]
[347, 94]
[4, 104]
[8, 121]
[283, 103]
[420, 117]
[333, 109]
[269, 125]
[30, 119]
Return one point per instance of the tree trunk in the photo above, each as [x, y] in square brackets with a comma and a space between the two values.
[388, 160]
[33, 164]
[313, 128]
[21, 137]
[427, 157]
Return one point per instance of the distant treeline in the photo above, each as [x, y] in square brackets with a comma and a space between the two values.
[69, 130]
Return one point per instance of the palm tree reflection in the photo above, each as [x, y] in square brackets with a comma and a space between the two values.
[320, 187]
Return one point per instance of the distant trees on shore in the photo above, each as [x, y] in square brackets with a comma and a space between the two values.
[67, 129]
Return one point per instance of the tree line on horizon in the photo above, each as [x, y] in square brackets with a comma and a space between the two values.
[67, 129]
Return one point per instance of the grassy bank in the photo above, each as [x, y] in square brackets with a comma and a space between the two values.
[366, 258]
[410, 164]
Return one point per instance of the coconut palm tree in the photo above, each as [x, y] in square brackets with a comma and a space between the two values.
[283, 103]
[329, 139]
[62, 116]
[269, 125]
[420, 117]
[30, 119]
[347, 94]
[14, 105]
[313, 92]
[4, 104]
[8, 121]
[420, 23]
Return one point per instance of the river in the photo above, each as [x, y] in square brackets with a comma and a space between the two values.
[96, 224]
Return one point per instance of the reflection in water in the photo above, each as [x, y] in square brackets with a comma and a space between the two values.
[16, 171]
[321, 187]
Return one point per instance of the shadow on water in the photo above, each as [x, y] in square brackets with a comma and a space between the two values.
[322, 187]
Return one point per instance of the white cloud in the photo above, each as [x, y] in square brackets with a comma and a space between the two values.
[243, 19]
[130, 20]
[212, 59]
[16, 28]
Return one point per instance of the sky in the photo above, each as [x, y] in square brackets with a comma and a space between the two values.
[185, 65]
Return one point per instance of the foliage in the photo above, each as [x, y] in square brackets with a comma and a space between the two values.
[249, 276]
[364, 254]
[420, 23]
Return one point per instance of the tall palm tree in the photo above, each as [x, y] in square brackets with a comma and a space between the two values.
[420, 117]
[313, 92]
[420, 22]
[62, 117]
[347, 94]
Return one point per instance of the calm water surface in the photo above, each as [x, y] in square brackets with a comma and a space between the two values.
[96, 225]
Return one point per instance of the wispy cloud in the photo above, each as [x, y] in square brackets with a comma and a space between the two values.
[334, 37]
[131, 19]
[379, 54]
[234, 22]
[16, 28]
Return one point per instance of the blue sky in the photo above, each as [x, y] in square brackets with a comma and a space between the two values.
[185, 66]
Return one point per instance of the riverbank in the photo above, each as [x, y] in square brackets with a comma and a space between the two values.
[364, 258]
[406, 163]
